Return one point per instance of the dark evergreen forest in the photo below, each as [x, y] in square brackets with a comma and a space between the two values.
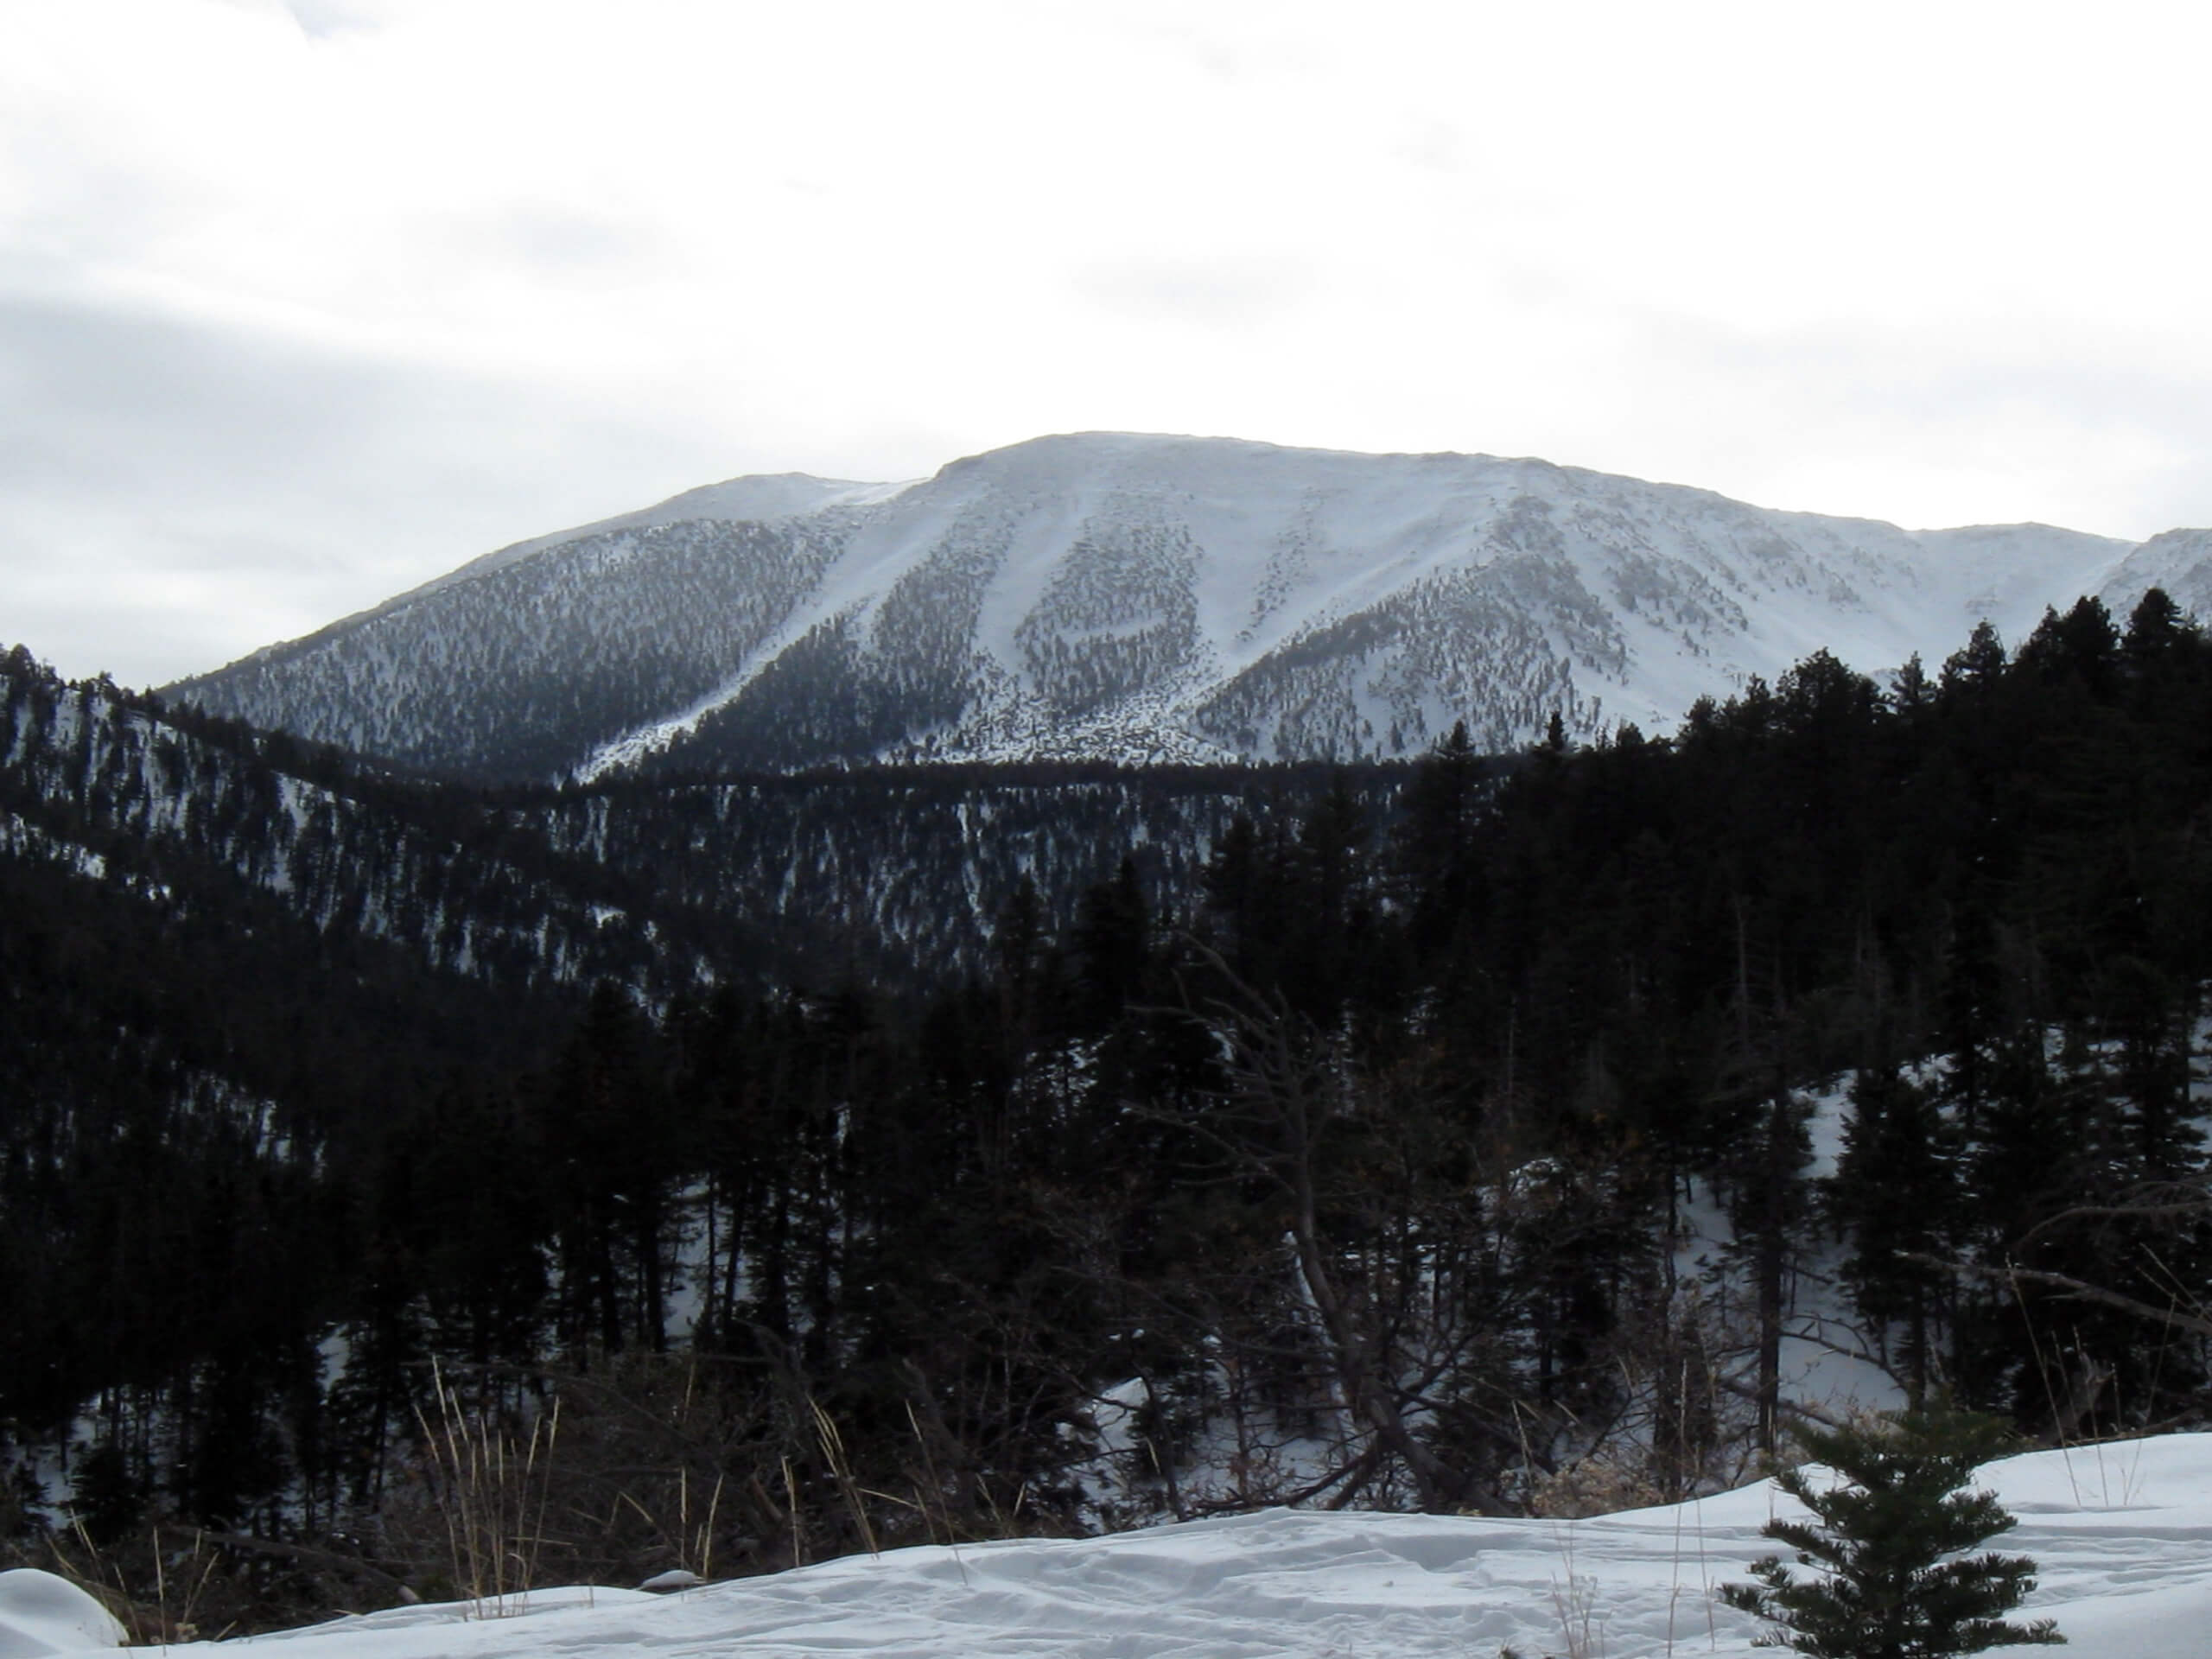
[1170, 1144]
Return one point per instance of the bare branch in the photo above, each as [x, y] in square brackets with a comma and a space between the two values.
[2076, 1290]
[2157, 1201]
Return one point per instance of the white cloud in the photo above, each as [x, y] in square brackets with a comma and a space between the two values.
[175, 493]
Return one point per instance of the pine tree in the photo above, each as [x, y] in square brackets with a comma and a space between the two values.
[1886, 1538]
[1896, 1191]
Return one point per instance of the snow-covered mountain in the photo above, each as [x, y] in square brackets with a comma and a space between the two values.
[1143, 598]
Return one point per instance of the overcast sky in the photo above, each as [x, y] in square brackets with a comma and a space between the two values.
[303, 304]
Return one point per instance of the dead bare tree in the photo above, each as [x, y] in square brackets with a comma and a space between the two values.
[1389, 1330]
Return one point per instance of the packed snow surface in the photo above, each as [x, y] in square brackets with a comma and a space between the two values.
[2122, 1533]
[41, 1614]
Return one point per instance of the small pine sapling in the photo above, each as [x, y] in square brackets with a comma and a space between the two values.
[1886, 1542]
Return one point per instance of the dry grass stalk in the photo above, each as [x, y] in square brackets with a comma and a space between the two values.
[79, 1558]
[833, 1452]
[491, 1495]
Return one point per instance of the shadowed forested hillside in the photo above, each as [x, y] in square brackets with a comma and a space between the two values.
[1133, 1144]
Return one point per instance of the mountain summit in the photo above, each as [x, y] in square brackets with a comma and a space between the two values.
[1140, 598]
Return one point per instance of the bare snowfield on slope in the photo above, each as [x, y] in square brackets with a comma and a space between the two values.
[1285, 543]
[2122, 1533]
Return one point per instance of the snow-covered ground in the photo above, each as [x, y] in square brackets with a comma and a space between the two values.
[2122, 1533]
[41, 1614]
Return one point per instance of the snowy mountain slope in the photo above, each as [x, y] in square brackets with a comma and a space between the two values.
[1113, 595]
[661, 886]
[762, 497]
[891, 873]
[110, 791]
[511, 674]
[2118, 1532]
[2180, 561]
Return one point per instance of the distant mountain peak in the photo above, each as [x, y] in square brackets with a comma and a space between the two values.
[1136, 595]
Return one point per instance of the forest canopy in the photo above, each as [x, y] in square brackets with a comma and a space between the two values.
[1352, 1135]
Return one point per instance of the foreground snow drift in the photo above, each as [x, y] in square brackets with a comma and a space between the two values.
[41, 1614]
[2123, 1534]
